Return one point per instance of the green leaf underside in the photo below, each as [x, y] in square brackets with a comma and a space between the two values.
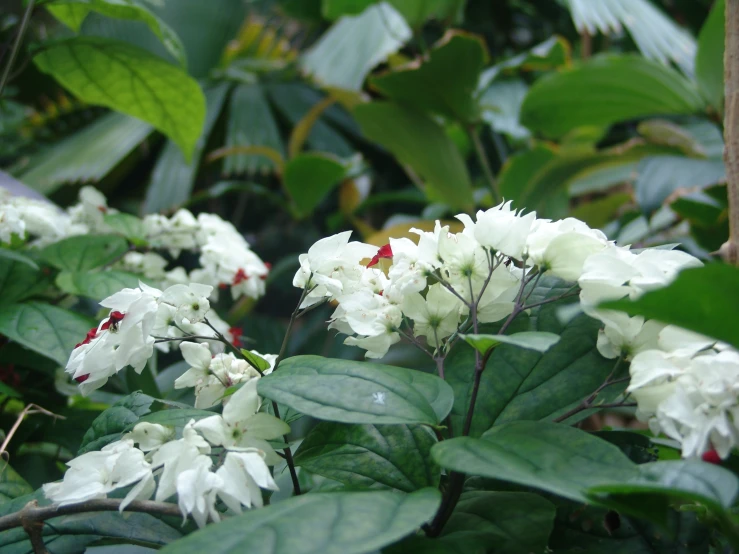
[555, 458]
[19, 279]
[12, 485]
[713, 291]
[420, 143]
[130, 80]
[310, 177]
[371, 456]
[330, 523]
[525, 384]
[97, 285]
[445, 84]
[84, 252]
[73, 533]
[606, 90]
[109, 425]
[709, 60]
[358, 392]
[43, 328]
[530, 340]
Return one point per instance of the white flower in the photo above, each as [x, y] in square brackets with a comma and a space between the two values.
[376, 346]
[196, 491]
[436, 316]
[94, 474]
[243, 473]
[150, 436]
[412, 263]
[330, 265]
[148, 264]
[463, 259]
[176, 457]
[10, 223]
[242, 425]
[501, 228]
[191, 301]
[367, 313]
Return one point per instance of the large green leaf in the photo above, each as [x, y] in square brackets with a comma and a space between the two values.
[525, 384]
[330, 523]
[43, 328]
[87, 155]
[555, 458]
[12, 485]
[73, 12]
[19, 279]
[648, 493]
[552, 53]
[540, 341]
[371, 456]
[310, 177]
[96, 285]
[71, 534]
[348, 51]
[606, 90]
[660, 176]
[84, 252]
[519, 170]
[709, 61]
[701, 299]
[110, 425]
[420, 143]
[129, 80]
[251, 123]
[445, 84]
[173, 175]
[358, 392]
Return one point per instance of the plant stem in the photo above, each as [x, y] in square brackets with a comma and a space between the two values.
[288, 456]
[31, 512]
[484, 163]
[16, 45]
[730, 249]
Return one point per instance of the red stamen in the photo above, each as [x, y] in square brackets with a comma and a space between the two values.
[240, 276]
[91, 334]
[384, 252]
[236, 333]
[711, 457]
[82, 378]
[113, 319]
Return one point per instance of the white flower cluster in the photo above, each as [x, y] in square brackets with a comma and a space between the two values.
[226, 260]
[436, 281]
[184, 466]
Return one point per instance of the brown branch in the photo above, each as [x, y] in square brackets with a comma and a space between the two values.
[730, 249]
[30, 409]
[33, 514]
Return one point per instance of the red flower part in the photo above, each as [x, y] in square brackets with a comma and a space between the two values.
[236, 333]
[384, 252]
[9, 375]
[712, 457]
[268, 266]
[82, 378]
[103, 209]
[113, 319]
[240, 276]
[91, 334]
[223, 286]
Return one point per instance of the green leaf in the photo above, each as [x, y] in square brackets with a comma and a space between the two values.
[97, 285]
[333, 62]
[127, 225]
[43, 328]
[443, 85]
[310, 177]
[9, 391]
[524, 384]
[371, 456]
[701, 299]
[173, 417]
[113, 422]
[173, 175]
[659, 177]
[420, 143]
[330, 523]
[254, 360]
[417, 12]
[73, 12]
[86, 155]
[555, 458]
[12, 485]
[20, 277]
[357, 392]
[552, 53]
[696, 481]
[530, 340]
[251, 122]
[334, 9]
[129, 80]
[71, 534]
[520, 169]
[606, 90]
[84, 252]
[709, 60]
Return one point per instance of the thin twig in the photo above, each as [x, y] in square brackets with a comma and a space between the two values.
[30, 409]
[16, 45]
[484, 163]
